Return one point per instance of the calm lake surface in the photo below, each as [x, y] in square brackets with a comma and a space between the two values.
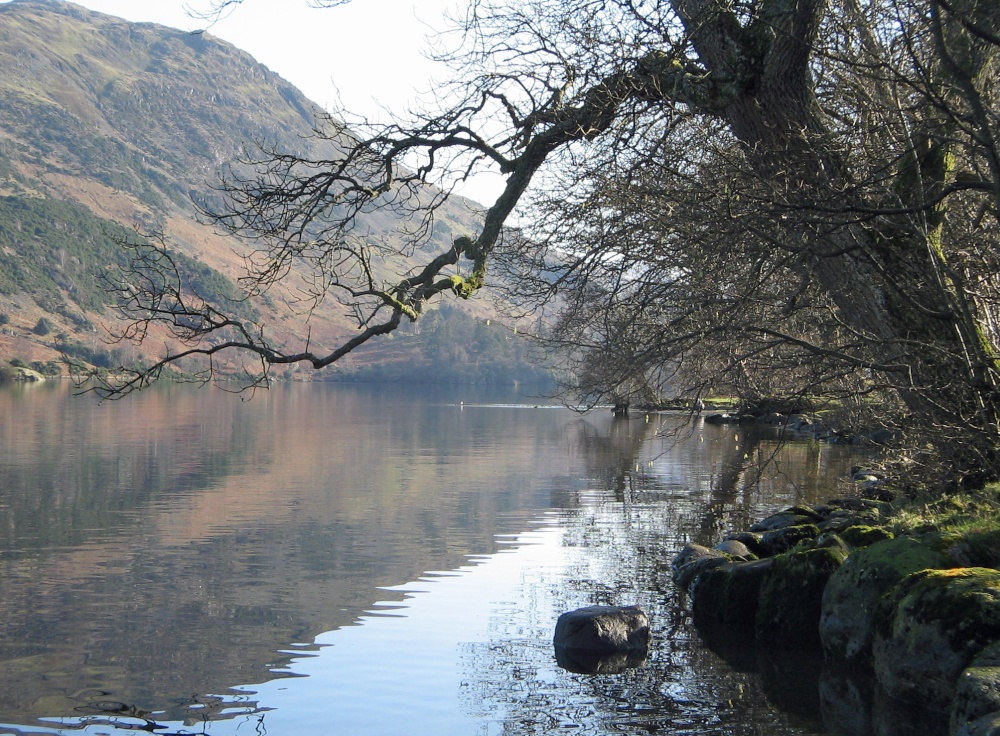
[359, 560]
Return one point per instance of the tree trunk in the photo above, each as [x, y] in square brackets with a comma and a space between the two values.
[889, 286]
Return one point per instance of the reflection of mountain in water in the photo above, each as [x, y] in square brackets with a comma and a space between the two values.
[173, 543]
[161, 550]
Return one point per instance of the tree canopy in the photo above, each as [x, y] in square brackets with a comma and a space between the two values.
[773, 197]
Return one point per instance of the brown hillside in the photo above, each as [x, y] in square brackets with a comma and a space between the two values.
[130, 123]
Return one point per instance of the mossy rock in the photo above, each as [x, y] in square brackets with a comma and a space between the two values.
[838, 522]
[724, 602]
[851, 596]
[988, 725]
[751, 540]
[691, 561]
[862, 535]
[831, 541]
[790, 517]
[791, 595]
[930, 627]
[813, 513]
[781, 540]
[977, 693]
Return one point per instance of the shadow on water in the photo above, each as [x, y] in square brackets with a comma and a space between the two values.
[843, 702]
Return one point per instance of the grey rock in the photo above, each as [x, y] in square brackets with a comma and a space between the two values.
[686, 576]
[692, 552]
[735, 549]
[977, 692]
[930, 627]
[782, 520]
[853, 591]
[602, 630]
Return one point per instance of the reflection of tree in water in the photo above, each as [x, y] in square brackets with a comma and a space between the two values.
[619, 536]
[96, 711]
[717, 479]
[735, 475]
[683, 688]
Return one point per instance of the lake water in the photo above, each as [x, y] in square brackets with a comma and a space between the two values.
[360, 560]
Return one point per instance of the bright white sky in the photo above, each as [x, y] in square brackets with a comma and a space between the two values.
[320, 50]
[370, 53]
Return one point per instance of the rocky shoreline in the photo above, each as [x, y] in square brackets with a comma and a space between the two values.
[916, 608]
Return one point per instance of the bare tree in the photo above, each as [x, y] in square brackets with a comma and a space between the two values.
[800, 186]
[216, 9]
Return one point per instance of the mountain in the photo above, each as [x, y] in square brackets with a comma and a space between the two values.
[109, 126]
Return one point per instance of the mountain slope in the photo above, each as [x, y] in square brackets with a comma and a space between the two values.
[109, 124]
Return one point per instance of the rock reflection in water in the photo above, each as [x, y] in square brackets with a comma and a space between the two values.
[854, 704]
[586, 662]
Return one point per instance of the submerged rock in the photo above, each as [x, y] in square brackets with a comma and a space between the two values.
[930, 627]
[584, 662]
[845, 702]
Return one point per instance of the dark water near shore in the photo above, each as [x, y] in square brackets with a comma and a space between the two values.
[355, 560]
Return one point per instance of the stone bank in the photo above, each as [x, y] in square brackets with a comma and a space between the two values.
[920, 611]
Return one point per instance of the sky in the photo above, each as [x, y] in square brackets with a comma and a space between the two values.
[328, 53]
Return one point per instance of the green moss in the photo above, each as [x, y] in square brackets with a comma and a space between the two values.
[863, 535]
[968, 525]
[791, 597]
[893, 559]
[726, 597]
[962, 603]
[833, 541]
[951, 512]
[786, 538]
